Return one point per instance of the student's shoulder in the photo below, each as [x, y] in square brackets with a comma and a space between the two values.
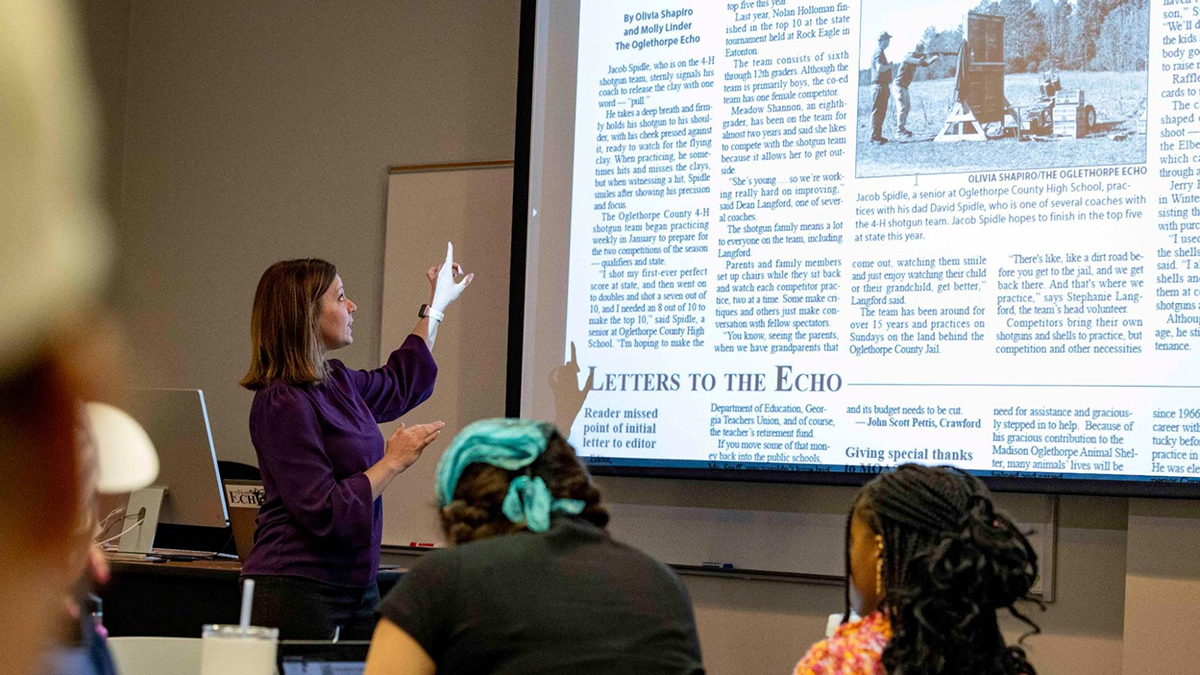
[480, 552]
[439, 558]
[856, 648]
[637, 556]
[434, 568]
[636, 562]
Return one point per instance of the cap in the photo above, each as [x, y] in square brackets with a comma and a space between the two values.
[125, 457]
[884, 36]
[56, 248]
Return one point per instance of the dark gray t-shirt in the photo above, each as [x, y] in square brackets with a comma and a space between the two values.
[569, 600]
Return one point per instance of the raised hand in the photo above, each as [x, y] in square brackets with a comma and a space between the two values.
[568, 397]
[443, 286]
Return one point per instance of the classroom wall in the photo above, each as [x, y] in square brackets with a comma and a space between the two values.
[246, 131]
[104, 25]
[1162, 586]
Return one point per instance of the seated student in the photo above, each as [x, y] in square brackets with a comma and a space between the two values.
[533, 583]
[116, 456]
[929, 563]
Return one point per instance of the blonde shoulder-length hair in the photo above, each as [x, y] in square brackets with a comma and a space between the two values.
[284, 329]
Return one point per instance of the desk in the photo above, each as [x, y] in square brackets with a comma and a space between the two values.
[174, 599]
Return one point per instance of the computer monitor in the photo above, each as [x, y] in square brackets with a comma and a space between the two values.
[188, 489]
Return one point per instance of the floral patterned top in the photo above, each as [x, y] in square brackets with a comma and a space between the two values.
[856, 648]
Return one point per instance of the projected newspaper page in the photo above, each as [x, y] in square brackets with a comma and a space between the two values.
[823, 236]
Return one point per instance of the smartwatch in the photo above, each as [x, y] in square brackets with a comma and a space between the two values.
[427, 312]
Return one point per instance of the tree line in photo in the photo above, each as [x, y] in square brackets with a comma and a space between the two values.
[1095, 35]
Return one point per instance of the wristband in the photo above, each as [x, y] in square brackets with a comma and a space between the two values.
[427, 312]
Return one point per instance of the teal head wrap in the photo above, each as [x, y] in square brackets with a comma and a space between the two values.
[509, 444]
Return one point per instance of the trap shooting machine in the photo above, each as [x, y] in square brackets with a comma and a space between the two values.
[980, 102]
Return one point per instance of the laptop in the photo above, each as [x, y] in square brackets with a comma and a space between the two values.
[321, 657]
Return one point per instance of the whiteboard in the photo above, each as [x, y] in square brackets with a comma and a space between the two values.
[756, 528]
[470, 205]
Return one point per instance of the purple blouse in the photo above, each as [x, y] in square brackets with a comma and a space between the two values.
[313, 445]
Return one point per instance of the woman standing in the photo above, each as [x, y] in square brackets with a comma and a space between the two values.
[324, 463]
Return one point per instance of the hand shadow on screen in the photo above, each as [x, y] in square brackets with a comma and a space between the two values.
[568, 397]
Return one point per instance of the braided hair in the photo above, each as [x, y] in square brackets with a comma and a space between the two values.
[949, 562]
[475, 511]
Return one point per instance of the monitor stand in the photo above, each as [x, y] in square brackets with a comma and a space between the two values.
[138, 542]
